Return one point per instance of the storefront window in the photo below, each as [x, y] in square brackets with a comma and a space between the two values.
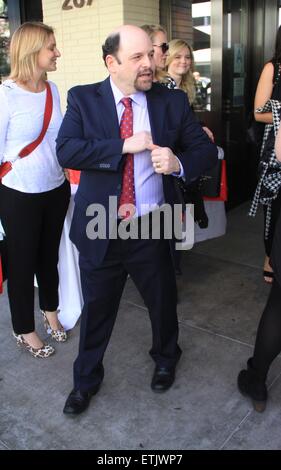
[4, 40]
[201, 22]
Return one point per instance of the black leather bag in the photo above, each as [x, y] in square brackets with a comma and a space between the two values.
[191, 194]
[210, 182]
[255, 131]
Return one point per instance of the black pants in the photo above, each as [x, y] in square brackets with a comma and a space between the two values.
[268, 340]
[150, 266]
[275, 211]
[33, 224]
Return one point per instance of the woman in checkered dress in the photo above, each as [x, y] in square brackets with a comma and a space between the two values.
[252, 382]
[269, 87]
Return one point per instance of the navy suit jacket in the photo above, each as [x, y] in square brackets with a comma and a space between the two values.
[89, 140]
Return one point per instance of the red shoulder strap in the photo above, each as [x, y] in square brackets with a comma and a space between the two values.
[6, 166]
[47, 117]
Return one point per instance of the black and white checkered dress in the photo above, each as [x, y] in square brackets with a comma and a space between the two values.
[269, 182]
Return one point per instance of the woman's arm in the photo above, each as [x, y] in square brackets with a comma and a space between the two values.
[4, 122]
[264, 92]
[278, 144]
[209, 133]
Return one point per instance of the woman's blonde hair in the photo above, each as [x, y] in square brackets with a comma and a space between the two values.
[26, 43]
[152, 30]
[187, 83]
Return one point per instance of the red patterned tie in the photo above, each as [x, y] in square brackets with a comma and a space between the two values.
[127, 198]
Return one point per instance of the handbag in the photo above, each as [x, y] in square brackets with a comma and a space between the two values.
[7, 166]
[211, 180]
[74, 176]
[191, 194]
[223, 193]
[255, 131]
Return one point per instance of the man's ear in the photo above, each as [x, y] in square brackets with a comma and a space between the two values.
[111, 63]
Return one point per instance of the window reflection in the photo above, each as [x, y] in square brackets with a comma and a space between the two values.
[4, 40]
[201, 22]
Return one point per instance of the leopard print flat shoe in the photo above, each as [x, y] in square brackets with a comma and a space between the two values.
[46, 350]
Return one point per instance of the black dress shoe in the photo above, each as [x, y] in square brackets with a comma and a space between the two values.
[78, 401]
[163, 378]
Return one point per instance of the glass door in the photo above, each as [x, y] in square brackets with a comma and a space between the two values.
[236, 68]
[201, 23]
[248, 42]
[207, 46]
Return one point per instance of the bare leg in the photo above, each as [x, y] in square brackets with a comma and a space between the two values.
[267, 268]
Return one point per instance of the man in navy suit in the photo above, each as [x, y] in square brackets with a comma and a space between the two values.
[166, 142]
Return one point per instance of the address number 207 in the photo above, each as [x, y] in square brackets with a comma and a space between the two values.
[69, 4]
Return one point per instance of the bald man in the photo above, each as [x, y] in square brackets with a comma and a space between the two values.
[130, 138]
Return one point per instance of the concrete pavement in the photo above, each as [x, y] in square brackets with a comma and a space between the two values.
[222, 295]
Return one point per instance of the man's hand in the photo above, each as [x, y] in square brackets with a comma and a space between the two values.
[138, 142]
[164, 161]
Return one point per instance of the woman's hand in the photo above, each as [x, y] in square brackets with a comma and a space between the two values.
[66, 174]
[209, 133]
[278, 145]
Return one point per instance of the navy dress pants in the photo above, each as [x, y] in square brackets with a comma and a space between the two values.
[150, 266]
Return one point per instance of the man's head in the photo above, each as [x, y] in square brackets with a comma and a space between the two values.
[128, 55]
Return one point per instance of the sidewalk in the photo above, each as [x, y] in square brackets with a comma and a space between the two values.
[222, 295]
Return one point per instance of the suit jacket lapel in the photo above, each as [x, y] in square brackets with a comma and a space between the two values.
[107, 109]
[156, 111]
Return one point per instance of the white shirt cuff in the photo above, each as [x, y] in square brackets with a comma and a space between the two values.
[181, 172]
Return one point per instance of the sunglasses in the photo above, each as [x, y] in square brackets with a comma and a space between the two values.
[164, 46]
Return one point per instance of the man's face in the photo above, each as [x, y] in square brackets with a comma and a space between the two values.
[133, 68]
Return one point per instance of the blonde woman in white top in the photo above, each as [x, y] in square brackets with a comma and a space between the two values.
[34, 195]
